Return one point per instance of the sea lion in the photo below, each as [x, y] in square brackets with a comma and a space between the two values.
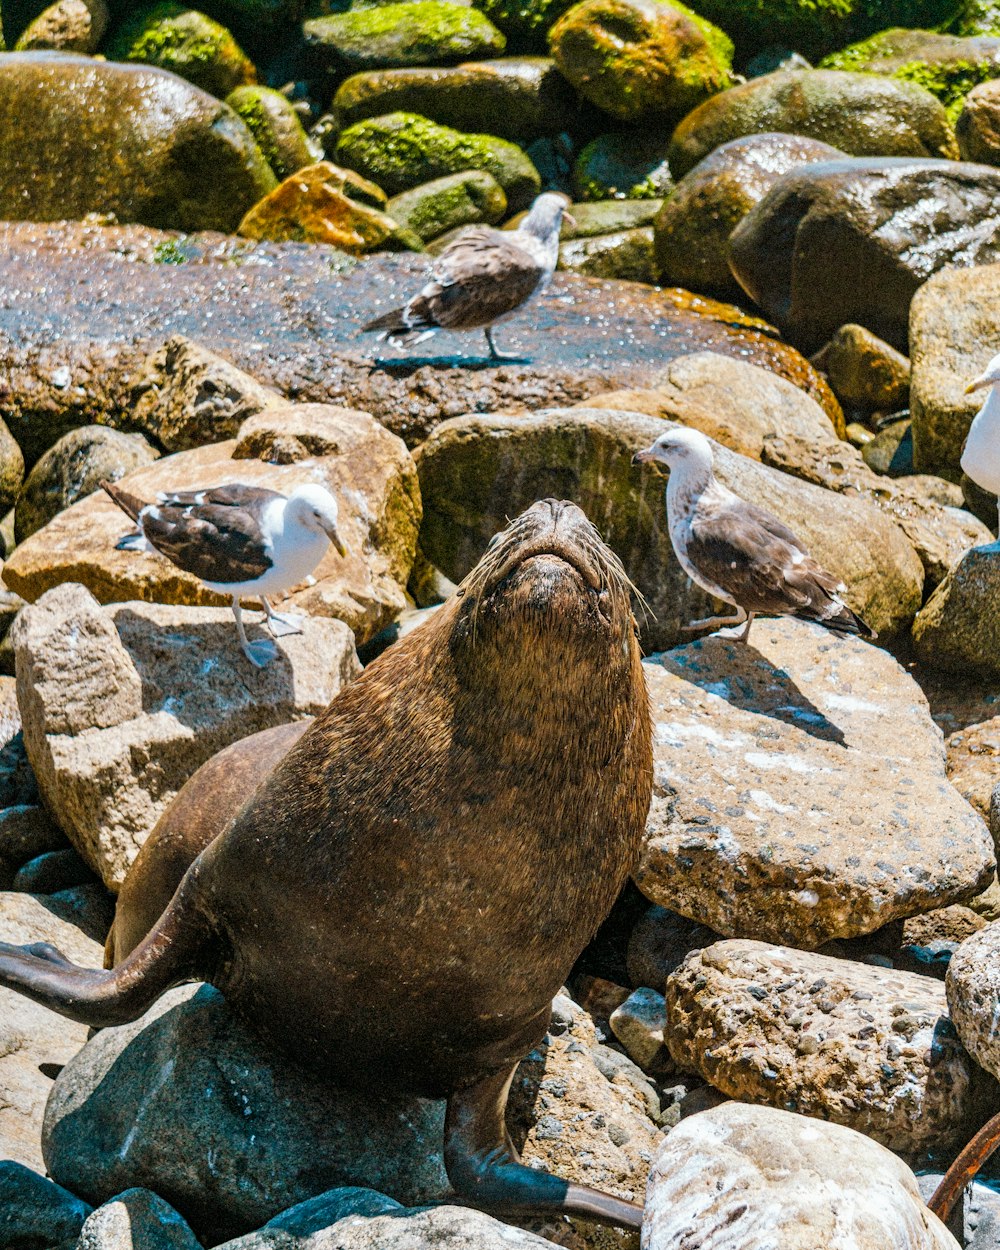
[402, 896]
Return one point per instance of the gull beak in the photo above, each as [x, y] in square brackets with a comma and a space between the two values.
[643, 457]
[334, 537]
[984, 379]
[569, 219]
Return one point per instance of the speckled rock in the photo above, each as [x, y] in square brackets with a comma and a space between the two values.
[865, 372]
[622, 166]
[136, 1220]
[967, 711]
[275, 126]
[755, 1176]
[35, 1213]
[399, 34]
[11, 468]
[88, 136]
[661, 941]
[475, 469]
[859, 238]
[862, 1046]
[301, 1227]
[625, 254]
[973, 986]
[67, 26]
[957, 628]
[781, 774]
[468, 198]
[890, 452]
[863, 114]
[639, 1023]
[74, 468]
[117, 715]
[978, 126]
[697, 218]
[639, 59]
[368, 470]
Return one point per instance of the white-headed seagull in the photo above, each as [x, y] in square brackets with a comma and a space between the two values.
[981, 456]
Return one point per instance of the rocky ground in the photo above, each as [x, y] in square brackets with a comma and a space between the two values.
[785, 235]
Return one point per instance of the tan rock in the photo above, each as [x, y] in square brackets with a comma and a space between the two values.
[67, 26]
[865, 372]
[638, 1023]
[967, 711]
[748, 1177]
[368, 469]
[31, 1035]
[978, 126]
[799, 790]
[860, 1045]
[187, 396]
[121, 705]
[957, 628]
[973, 987]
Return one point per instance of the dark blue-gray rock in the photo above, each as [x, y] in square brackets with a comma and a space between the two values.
[136, 1220]
[302, 1226]
[51, 872]
[35, 1214]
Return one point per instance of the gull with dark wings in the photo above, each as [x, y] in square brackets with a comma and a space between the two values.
[240, 541]
[482, 278]
[740, 553]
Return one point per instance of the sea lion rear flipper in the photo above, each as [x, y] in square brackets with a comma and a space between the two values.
[484, 1167]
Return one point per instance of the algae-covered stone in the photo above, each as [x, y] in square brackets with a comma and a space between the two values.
[83, 136]
[186, 42]
[978, 126]
[622, 166]
[312, 206]
[424, 32]
[947, 65]
[641, 58]
[68, 26]
[275, 127]
[693, 227]
[862, 114]
[523, 97]
[625, 254]
[525, 22]
[978, 17]
[401, 150]
[461, 199]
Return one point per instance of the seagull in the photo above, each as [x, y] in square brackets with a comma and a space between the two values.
[481, 278]
[738, 552]
[241, 541]
[981, 456]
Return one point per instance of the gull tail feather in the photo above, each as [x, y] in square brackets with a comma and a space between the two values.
[393, 322]
[130, 504]
[839, 618]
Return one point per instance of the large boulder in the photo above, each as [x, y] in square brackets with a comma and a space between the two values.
[118, 714]
[770, 1178]
[978, 126]
[277, 130]
[478, 469]
[186, 42]
[428, 32]
[369, 471]
[863, 114]
[784, 768]
[136, 1219]
[35, 1214]
[973, 987]
[83, 136]
[290, 316]
[852, 241]
[957, 628]
[693, 227]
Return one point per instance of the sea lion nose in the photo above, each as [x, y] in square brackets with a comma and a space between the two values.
[560, 509]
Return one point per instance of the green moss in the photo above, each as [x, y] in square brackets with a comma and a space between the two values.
[456, 200]
[168, 253]
[275, 127]
[185, 42]
[525, 22]
[979, 17]
[418, 33]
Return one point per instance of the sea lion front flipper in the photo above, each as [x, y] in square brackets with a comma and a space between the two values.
[484, 1167]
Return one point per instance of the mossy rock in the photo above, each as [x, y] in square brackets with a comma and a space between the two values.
[187, 43]
[402, 150]
[623, 254]
[622, 166]
[425, 32]
[68, 26]
[641, 58]
[468, 198]
[816, 27]
[978, 17]
[526, 23]
[275, 127]
[862, 114]
[948, 66]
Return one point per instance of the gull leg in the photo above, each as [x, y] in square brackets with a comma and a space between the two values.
[746, 632]
[717, 622]
[495, 353]
[258, 653]
[290, 624]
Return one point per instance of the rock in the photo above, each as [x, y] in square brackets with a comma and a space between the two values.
[772, 58]
[756, 1176]
[26, 832]
[402, 150]
[608, 217]
[34, 1213]
[974, 994]
[953, 325]
[693, 227]
[978, 126]
[781, 773]
[313, 206]
[620, 166]
[33, 1042]
[525, 22]
[857, 238]
[891, 451]
[295, 1228]
[426, 32]
[289, 315]
[136, 1220]
[957, 628]
[641, 59]
[368, 470]
[117, 714]
[275, 126]
[174, 156]
[523, 97]
[462, 199]
[948, 66]
[186, 396]
[475, 469]
[11, 468]
[17, 781]
[51, 872]
[260, 1135]
[866, 373]
[74, 468]
[626, 254]
[862, 114]
[186, 42]
[67, 26]
[865, 1047]
[639, 1023]
[660, 942]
